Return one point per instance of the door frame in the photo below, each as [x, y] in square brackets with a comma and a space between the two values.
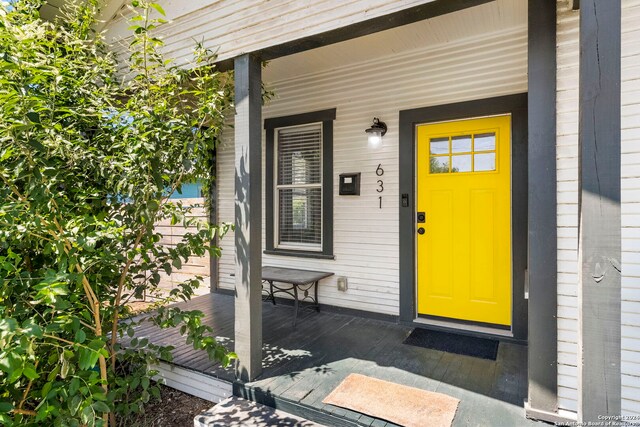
[516, 105]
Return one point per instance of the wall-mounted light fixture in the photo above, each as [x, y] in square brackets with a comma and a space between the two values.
[376, 132]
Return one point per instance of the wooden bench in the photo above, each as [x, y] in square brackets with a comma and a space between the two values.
[295, 283]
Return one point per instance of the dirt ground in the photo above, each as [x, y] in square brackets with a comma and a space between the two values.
[175, 409]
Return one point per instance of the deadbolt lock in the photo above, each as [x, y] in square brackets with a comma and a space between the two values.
[421, 217]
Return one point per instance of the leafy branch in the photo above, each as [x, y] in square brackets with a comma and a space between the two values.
[89, 160]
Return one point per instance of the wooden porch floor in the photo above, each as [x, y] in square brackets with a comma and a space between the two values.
[301, 366]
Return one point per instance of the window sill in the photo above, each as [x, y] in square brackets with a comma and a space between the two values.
[299, 254]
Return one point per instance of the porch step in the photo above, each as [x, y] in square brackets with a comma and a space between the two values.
[342, 417]
[237, 412]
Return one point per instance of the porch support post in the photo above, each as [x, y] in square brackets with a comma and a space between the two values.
[599, 211]
[542, 402]
[248, 221]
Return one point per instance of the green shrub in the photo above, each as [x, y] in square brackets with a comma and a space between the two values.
[91, 147]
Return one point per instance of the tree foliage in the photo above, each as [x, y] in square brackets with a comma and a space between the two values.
[91, 148]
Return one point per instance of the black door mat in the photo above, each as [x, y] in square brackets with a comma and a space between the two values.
[483, 348]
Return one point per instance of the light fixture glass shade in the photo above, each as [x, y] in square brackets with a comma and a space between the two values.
[376, 132]
[375, 139]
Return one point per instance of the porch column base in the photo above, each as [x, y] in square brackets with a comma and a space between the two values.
[551, 417]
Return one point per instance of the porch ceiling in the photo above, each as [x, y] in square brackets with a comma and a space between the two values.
[499, 15]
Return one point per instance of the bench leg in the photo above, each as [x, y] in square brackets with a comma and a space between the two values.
[295, 305]
[273, 297]
[315, 292]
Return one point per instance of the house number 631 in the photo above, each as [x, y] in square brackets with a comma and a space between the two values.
[380, 189]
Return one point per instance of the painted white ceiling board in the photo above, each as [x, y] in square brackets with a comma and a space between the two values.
[457, 26]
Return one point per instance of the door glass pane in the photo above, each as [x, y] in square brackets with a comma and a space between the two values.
[439, 164]
[484, 142]
[461, 144]
[439, 145]
[461, 163]
[485, 162]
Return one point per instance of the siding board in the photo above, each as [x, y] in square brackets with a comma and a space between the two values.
[630, 87]
[195, 266]
[567, 196]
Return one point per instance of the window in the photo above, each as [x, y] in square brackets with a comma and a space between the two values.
[299, 187]
[299, 207]
[464, 153]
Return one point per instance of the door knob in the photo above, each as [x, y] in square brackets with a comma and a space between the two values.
[420, 230]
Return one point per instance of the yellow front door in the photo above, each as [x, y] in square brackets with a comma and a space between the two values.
[464, 196]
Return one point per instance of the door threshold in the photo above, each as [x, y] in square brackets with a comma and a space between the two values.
[466, 327]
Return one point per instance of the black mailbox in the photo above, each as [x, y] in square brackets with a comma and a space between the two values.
[349, 184]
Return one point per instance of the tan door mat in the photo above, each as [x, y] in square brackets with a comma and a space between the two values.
[406, 406]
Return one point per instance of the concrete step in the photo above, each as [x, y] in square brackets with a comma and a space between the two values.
[237, 412]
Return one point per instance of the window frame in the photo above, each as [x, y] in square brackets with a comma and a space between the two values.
[272, 125]
[277, 187]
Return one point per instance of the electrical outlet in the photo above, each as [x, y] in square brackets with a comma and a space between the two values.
[342, 284]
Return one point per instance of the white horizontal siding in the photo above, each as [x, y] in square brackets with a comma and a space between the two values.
[630, 209]
[233, 27]
[567, 208]
[366, 245]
